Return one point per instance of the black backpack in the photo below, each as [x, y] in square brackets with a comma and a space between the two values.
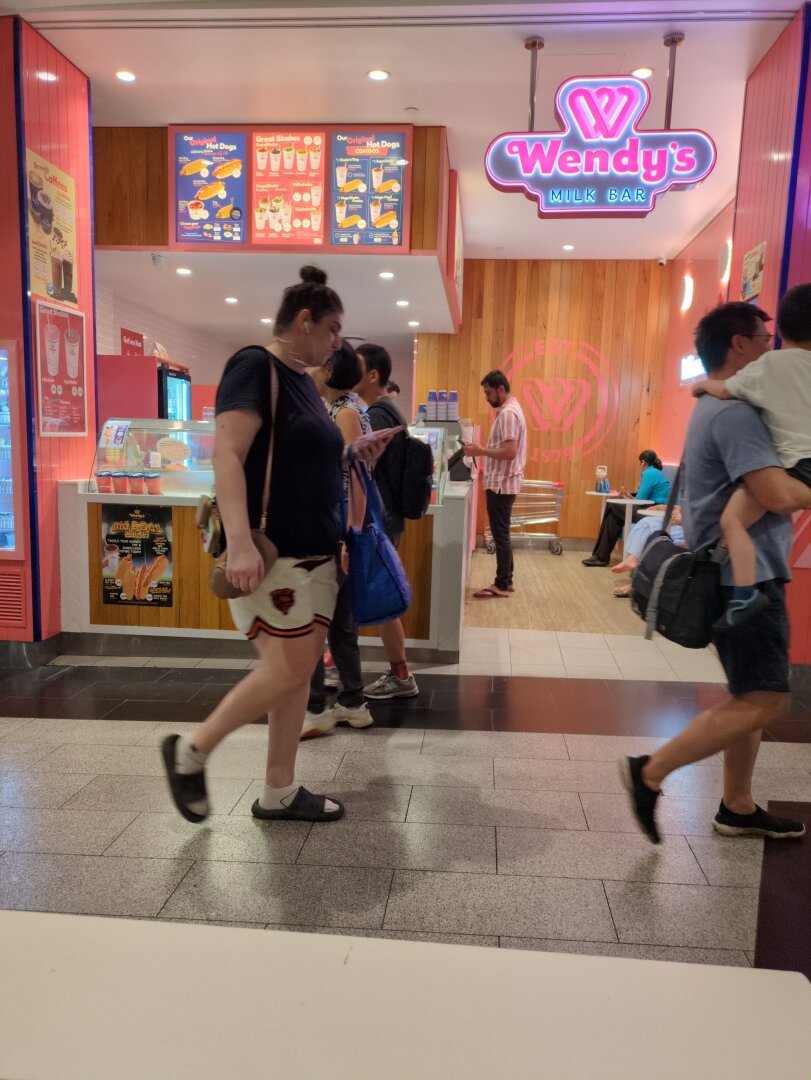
[412, 490]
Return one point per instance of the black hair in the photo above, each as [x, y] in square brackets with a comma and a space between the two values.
[392, 388]
[794, 314]
[312, 293]
[716, 330]
[494, 379]
[376, 358]
[650, 457]
[346, 370]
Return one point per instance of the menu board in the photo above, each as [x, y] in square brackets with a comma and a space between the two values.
[51, 198]
[210, 187]
[288, 188]
[367, 188]
[136, 560]
[61, 370]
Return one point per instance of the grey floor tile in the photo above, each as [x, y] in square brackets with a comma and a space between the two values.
[621, 856]
[213, 922]
[224, 663]
[97, 732]
[75, 661]
[729, 860]
[494, 744]
[404, 767]
[309, 895]
[491, 904]
[61, 832]
[612, 813]
[12, 723]
[250, 733]
[249, 759]
[88, 884]
[365, 740]
[484, 806]
[783, 784]
[44, 790]
[15, 760]
[601, 776]
[750, 956]
[486, 940]
[150, 793]
[173, 661]
[697, 916]
[780, 755]
[400, 845]
[724, 957]
[377, 802]
[122, 661]
[696, 782]
[609, 747]
[228, 839]
[111, 760]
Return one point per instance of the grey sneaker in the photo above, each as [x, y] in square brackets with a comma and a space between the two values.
[357, 717]
[389, 686]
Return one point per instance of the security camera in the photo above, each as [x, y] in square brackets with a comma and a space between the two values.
[158, 260]
[661, 261]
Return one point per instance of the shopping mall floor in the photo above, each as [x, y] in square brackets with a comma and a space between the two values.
[488, 810]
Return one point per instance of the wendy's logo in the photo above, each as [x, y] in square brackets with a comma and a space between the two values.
[283, 599]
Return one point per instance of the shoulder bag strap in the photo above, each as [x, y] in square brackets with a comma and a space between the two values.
[671, 502]
[274, 398]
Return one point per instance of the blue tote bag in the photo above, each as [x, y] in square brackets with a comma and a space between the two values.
[378, 587]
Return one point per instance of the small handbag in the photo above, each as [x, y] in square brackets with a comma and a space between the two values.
[209, 520]
[378, 587]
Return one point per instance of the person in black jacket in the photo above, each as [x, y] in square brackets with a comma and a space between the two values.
[397, 682]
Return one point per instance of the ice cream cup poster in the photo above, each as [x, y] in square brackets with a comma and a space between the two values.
[51, 204]
[211, 172]
[136, 555]
[61, 370]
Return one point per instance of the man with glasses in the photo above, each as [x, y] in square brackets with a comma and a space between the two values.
[728, 444]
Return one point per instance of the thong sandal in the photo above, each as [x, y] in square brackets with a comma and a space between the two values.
[490, 593]
[623, 592]
[305, 807]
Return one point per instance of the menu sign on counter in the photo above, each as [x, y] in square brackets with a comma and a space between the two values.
[61, 370]
[367, 188]
[210, 187]
[137, 555]
[288, 188]
[51, 198]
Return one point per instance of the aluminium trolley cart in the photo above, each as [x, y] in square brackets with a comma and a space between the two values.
[539, 502]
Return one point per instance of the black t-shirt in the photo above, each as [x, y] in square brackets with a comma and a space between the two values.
[388, 473]
[306, 479]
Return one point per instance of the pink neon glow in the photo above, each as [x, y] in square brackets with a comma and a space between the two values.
[604, 113]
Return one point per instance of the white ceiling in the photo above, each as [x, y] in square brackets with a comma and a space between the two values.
[460, 66]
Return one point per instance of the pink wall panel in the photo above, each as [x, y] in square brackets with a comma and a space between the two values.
[57, 125]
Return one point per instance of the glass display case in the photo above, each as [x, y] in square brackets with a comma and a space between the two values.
[8, 531]
[154, 457]
[436, 437]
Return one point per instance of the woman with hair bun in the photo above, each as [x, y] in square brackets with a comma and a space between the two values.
[654, 486]
[286, 612]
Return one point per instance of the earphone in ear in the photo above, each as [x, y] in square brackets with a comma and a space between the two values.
[307, 328]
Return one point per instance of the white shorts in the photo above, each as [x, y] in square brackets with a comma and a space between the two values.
[294, 596]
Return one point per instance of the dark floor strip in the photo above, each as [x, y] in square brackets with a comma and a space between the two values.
[784, 913]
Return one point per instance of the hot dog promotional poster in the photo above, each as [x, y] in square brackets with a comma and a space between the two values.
[137, 555]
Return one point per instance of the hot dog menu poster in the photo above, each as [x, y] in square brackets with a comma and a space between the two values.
[210, 187]
[136, 555]
[367, 188]
[288, 188]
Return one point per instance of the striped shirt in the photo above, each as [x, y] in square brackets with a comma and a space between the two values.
[502, 476]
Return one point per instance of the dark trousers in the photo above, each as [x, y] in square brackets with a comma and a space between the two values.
[343, 644]
[499, 511]
[610, 530]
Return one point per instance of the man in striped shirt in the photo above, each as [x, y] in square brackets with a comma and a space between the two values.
[504, 458]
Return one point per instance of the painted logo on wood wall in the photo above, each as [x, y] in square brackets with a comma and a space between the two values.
[582, 407]
[599, 163]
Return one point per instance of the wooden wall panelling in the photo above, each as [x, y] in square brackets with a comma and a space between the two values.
[131, 175]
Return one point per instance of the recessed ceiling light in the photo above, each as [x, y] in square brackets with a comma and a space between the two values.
[387, 275]
[402, 303]
[568, 247]
[378, 75]
[231, 300]
[266, 321]
[46, 76]
[401, 161]
[411, 109]
[183, 271]
[413, 323]
[125, 76]
[642, 72]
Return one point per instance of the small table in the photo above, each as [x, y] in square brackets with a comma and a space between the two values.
[629, 505]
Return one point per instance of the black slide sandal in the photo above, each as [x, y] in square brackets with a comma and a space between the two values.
[305, 807]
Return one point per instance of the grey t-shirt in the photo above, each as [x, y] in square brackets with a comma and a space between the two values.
[725, 440]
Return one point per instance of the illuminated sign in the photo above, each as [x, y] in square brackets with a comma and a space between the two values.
[599, 163]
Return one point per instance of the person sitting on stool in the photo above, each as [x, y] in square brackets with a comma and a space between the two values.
[653, 486]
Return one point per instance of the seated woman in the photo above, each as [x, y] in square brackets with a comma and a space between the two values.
[653, 486]
[637, 540]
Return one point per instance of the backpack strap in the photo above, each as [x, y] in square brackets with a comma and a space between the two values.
[390, 411]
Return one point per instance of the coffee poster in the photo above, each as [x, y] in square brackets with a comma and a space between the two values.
[210, 187]
[61, 371]
[136, 555]
[366, 208]
[51, 202]
[288, 188]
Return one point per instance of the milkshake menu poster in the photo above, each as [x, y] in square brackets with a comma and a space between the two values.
[136, 560]
[367, 188]
[210, 187]
[288, 188]
[61, 371]
[51, 199]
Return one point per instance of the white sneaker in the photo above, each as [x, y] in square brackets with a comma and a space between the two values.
[317, 724]
[331, 677]
[389, 686]
[359, 717]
